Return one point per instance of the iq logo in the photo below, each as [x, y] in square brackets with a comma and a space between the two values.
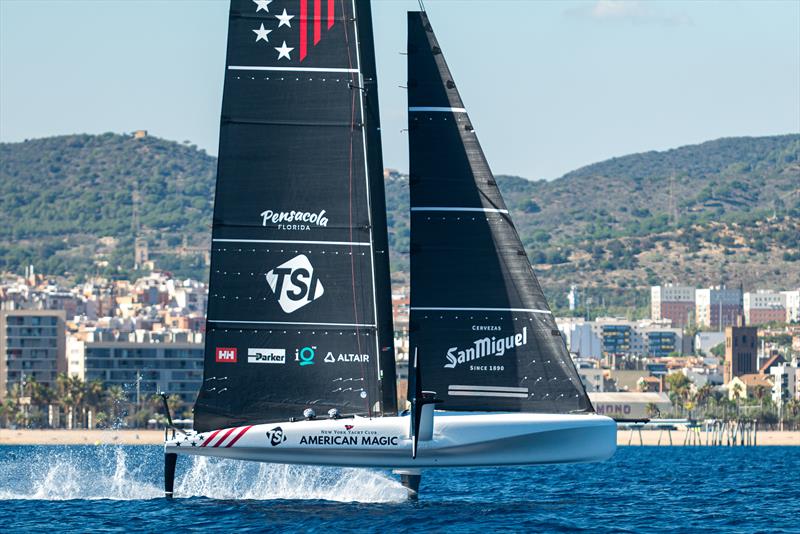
[225, 355]
[305, 356]
[295, 284]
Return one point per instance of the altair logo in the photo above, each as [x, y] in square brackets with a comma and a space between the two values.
[295, 283]
[487, 346]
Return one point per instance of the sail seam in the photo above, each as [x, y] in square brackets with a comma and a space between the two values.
[436, 109]
[291, 242]
[442, 208]
[289, 69]
[429, 308]
[291, 323]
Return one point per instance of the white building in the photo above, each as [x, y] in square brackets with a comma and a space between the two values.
[786, 382]
[792, 304]
[673, 302]
[717, 307]
[701, 376]
[764, 306]
[170, 361]
[580, 337]
[610, 335]
[591, 375]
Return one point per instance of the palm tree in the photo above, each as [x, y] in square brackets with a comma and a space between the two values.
[737, 393]
[94, 396]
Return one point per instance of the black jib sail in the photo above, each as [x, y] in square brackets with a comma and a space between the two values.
[299, 311]
[485, 335]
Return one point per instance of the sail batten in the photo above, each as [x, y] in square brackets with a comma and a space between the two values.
[297, 262]
[482, 327]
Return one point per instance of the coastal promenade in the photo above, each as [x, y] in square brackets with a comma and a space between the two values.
[156, 437]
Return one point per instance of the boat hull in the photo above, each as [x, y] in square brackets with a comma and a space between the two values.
[459, 440]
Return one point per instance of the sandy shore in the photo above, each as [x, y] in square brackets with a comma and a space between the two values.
[156, 437]
[651, 437]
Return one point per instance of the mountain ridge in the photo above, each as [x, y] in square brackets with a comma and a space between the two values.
[724, 210]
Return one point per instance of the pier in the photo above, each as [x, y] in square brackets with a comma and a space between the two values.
[709, 433]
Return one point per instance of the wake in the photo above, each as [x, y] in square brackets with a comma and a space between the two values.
[134, 473]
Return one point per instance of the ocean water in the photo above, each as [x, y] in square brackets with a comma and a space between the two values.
[663, 489]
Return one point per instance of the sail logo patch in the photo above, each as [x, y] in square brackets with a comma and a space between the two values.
[293, 220]
[305, 355]
[347, 358]
[487, 346]
[266, 355]
[295, 283]
[276, 436]
[225, 355]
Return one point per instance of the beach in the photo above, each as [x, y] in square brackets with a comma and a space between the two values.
[156, 437]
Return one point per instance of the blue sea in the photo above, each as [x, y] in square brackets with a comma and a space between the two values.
[117, 488]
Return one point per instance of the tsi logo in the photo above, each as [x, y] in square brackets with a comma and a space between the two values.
[276, 436]
[295, 283]
[225, 355]
[266, 355]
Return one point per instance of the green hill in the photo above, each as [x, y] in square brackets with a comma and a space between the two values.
[722, 211]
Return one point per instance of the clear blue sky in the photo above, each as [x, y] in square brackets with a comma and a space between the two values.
[550, 86]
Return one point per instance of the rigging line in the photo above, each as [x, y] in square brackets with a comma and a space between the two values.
[350, 186]
[421, 5]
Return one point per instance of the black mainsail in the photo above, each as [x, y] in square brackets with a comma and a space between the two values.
[486, 338]
[299, 311]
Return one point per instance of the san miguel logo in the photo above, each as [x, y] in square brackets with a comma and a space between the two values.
[276, 436]
[225, 355]
[295, 284]
[487, 346]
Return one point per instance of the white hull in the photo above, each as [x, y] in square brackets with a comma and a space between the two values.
[459, 440]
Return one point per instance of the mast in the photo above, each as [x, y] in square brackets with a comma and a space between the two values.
[380, 232]
[480, 322]
[299, 277]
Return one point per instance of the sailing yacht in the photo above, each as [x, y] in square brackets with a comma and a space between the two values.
[299, 360]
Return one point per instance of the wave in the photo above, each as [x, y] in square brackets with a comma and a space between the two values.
[134, 473]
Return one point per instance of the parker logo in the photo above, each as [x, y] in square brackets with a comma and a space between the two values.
[266, 355]
[276, 436]
[295, 284]
[225, 355]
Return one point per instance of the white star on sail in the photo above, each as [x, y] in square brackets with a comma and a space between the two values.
[262, 33]
[283, 51]
[284, 19]
[262, 4]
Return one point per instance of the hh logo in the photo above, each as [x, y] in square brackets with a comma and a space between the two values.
[225, 355]
[295, 283]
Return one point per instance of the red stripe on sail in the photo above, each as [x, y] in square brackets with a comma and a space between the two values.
[209, 438]
[239, 435]
[224, 437]
[303, 29]
[330, 14]
[317, 20]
